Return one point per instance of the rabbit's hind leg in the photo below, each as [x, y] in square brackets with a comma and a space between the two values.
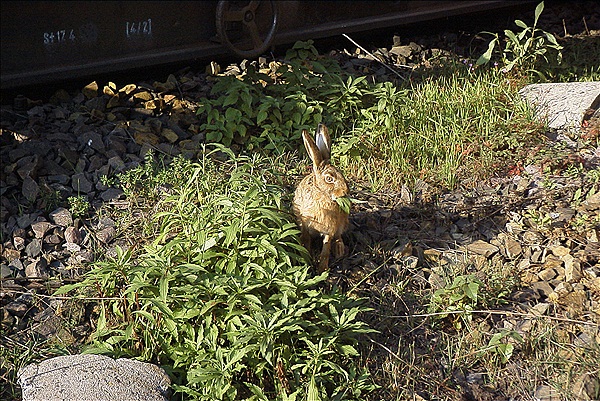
[338, 247]
[306, 239]
[324, 256]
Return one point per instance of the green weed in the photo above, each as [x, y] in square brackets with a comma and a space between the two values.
[525, 49]
[439, 131]
[224, 299]
[500, 345]
[79, 205]
[460, 295]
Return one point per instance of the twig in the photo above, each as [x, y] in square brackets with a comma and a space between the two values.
[496, 312]
[385, 348]
[64, 298]
[371, 54]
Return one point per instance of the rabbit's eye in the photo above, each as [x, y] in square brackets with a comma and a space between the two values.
[329, 179]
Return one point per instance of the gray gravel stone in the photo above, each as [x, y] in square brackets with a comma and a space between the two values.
[17, 308]
[106, 235]
[16, 264]
[572, 268]
[19, 243]
[546, 393]
[5, 271]
[542, 288]
[81, 184]
[482, 248]
[111, 194]
[61, 217]
[116, 163]
[93, 378]
[72, 235]
[28, 166]
[30, 189]
[36, 269]
[513, 248]
[25, 220]
[93, 140]
[34, 248]
[41, 228]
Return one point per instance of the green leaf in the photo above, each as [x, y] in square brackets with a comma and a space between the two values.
[145, 314]
[242, 130]
[345, 204]
[208, 306]
[161, 306]
[231, 98]
[471, 290]
[348, 350]
[496, 338]
[506, 351]
[313, 390]
[257, 391]
[538, 11]
[487, 56]
[68, 288]
[214, 136]
[233, 115]
[261, 116]
[521, 24]
[511, 36]
[101, 323]
[163, 289]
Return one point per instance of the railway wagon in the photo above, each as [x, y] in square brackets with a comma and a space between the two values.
[49, 41]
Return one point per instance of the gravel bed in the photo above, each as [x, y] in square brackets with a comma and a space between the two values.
[539, 219]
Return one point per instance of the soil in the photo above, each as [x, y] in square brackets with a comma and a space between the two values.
[541, 218]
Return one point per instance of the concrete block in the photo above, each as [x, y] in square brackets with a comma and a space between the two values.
[93, 378]
[562, 105]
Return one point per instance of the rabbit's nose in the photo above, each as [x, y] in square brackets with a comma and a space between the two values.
[339, 193]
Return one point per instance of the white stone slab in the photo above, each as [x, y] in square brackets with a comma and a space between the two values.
[562, 105]
[93, 378]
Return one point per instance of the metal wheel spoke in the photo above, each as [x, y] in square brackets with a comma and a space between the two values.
[257, 42]
[253, 5]
[233, 15]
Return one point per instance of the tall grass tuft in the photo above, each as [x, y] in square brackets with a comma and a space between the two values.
[441, 130]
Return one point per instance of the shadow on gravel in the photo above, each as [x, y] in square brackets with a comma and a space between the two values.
[401, 251]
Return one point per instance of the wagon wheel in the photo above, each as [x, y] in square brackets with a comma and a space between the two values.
[247, 28]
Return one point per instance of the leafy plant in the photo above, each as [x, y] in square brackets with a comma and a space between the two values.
[79, 206]
[524, 49]
[538, 219]
[501, 344]
[224, 297]
[269, 111]
[50, 198]
[271, 117]
[147, 181]
[460, 295]
[433, 130]
[593, 175]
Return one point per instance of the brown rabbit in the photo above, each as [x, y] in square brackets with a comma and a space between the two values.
[314, 205]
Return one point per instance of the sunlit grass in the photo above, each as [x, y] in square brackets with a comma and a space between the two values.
[447, 128]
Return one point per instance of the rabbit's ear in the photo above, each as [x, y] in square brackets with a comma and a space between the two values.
[312, 149]
[323, 141]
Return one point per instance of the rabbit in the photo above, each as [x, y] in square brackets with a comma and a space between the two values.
[314, 204]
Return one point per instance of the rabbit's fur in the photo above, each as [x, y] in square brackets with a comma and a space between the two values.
[314, 205]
